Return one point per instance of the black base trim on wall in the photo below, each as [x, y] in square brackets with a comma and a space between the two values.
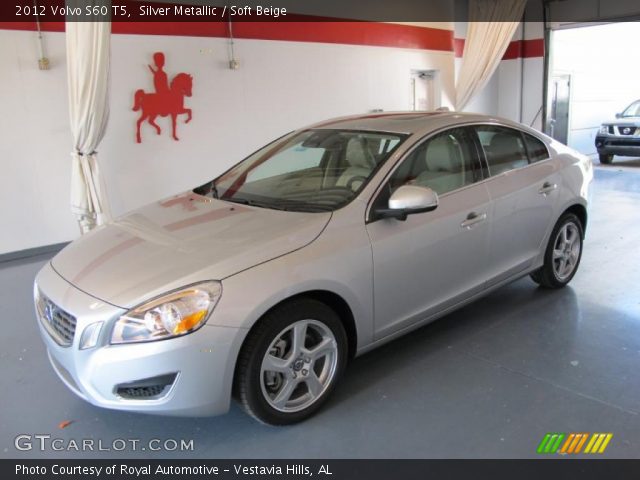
[32, 252]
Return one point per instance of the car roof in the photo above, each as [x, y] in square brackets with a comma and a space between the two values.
[409, 122]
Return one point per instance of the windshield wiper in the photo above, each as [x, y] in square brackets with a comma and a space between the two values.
[254, 203]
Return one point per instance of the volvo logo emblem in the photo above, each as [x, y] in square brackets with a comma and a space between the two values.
[48, 312]
[626, 130]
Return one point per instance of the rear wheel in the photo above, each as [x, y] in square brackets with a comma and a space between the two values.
[291, 362]
[606, 158]
[563, 253]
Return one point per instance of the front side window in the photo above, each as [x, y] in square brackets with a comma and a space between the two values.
[311, 171]
[445, 162]
[503, 148]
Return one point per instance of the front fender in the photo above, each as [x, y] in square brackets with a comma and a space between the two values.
[339, 261]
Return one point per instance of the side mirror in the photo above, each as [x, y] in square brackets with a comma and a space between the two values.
[618, 115]
[407, 200]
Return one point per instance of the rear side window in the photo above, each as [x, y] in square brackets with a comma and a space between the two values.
[536, 149]
[503, 148]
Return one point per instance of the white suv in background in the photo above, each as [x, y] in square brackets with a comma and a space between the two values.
[621, 137]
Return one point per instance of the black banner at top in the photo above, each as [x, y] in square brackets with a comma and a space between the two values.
[302, 10]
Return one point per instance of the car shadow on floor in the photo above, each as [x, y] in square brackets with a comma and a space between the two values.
[456, 330]
[618, 162]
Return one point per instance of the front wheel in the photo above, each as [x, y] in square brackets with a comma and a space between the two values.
[605, 158]
[563, 253]
[290, 362]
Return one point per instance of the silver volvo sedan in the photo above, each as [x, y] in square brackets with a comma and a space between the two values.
[328, 242]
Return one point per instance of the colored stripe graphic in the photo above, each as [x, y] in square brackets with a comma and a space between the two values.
[581, 443]
[598, 443]
[574, 443]
[550, 442]
[557, 443]
[543, 443]
[568, 443]
[605, 443]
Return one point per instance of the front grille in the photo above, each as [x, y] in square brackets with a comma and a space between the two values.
[146, 389]
[61, 325]
[610, 130]
[622, 143]
[626, 130]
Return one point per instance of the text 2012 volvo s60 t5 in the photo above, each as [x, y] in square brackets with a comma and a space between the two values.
[326, 243]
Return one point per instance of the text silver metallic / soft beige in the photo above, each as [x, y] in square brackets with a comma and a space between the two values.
[326, 243]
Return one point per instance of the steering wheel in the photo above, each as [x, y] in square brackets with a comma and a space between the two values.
[353, 179]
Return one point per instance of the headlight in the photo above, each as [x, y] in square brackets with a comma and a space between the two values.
[604, 129]
[172, 315]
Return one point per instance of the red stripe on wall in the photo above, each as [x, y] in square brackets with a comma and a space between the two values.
[458, 46]
[350, 33]
[516, 49]
[525, 49]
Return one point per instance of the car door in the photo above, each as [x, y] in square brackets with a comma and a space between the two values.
[523, 187]
[431, 260]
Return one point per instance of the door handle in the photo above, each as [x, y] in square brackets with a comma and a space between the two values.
[472, 219]
[547, 188]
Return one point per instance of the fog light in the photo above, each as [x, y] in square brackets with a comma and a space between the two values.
[90, 336]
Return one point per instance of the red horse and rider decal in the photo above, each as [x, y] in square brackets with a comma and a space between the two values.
[168, 99]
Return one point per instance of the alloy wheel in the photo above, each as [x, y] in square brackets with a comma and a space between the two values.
[566, 251]
[299, 365]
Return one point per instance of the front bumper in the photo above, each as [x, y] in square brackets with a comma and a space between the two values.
[618, 145]
[199, 366]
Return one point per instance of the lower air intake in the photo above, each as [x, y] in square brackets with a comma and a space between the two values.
[146, 389]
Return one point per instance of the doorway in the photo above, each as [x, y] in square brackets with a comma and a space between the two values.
[559, 99]
[424, 90]
[592, 75]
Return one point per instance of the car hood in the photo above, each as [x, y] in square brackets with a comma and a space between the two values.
[631, 121]
[178, 241]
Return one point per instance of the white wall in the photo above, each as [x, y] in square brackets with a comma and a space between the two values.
[279, 86]
[605, 75]
[34, 144]
[521, 81]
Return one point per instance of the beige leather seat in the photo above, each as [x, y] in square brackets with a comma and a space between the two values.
[444, 169]
[361, 164]
[505, 153]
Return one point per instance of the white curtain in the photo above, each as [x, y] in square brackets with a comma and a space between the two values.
[88, 51]
[490, 30]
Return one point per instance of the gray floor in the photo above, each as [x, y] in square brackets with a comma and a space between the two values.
[487, 381]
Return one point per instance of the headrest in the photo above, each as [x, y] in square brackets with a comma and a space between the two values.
[504, 145]
[358, 155]
[442, 156]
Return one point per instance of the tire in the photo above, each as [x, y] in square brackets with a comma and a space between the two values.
[564, 248]
[606, 158]
[280, 381]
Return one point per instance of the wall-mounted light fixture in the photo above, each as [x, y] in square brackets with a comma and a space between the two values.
[43, 61]
[233, 63]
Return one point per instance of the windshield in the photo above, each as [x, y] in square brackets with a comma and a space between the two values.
[632, 110]
[311, 171]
